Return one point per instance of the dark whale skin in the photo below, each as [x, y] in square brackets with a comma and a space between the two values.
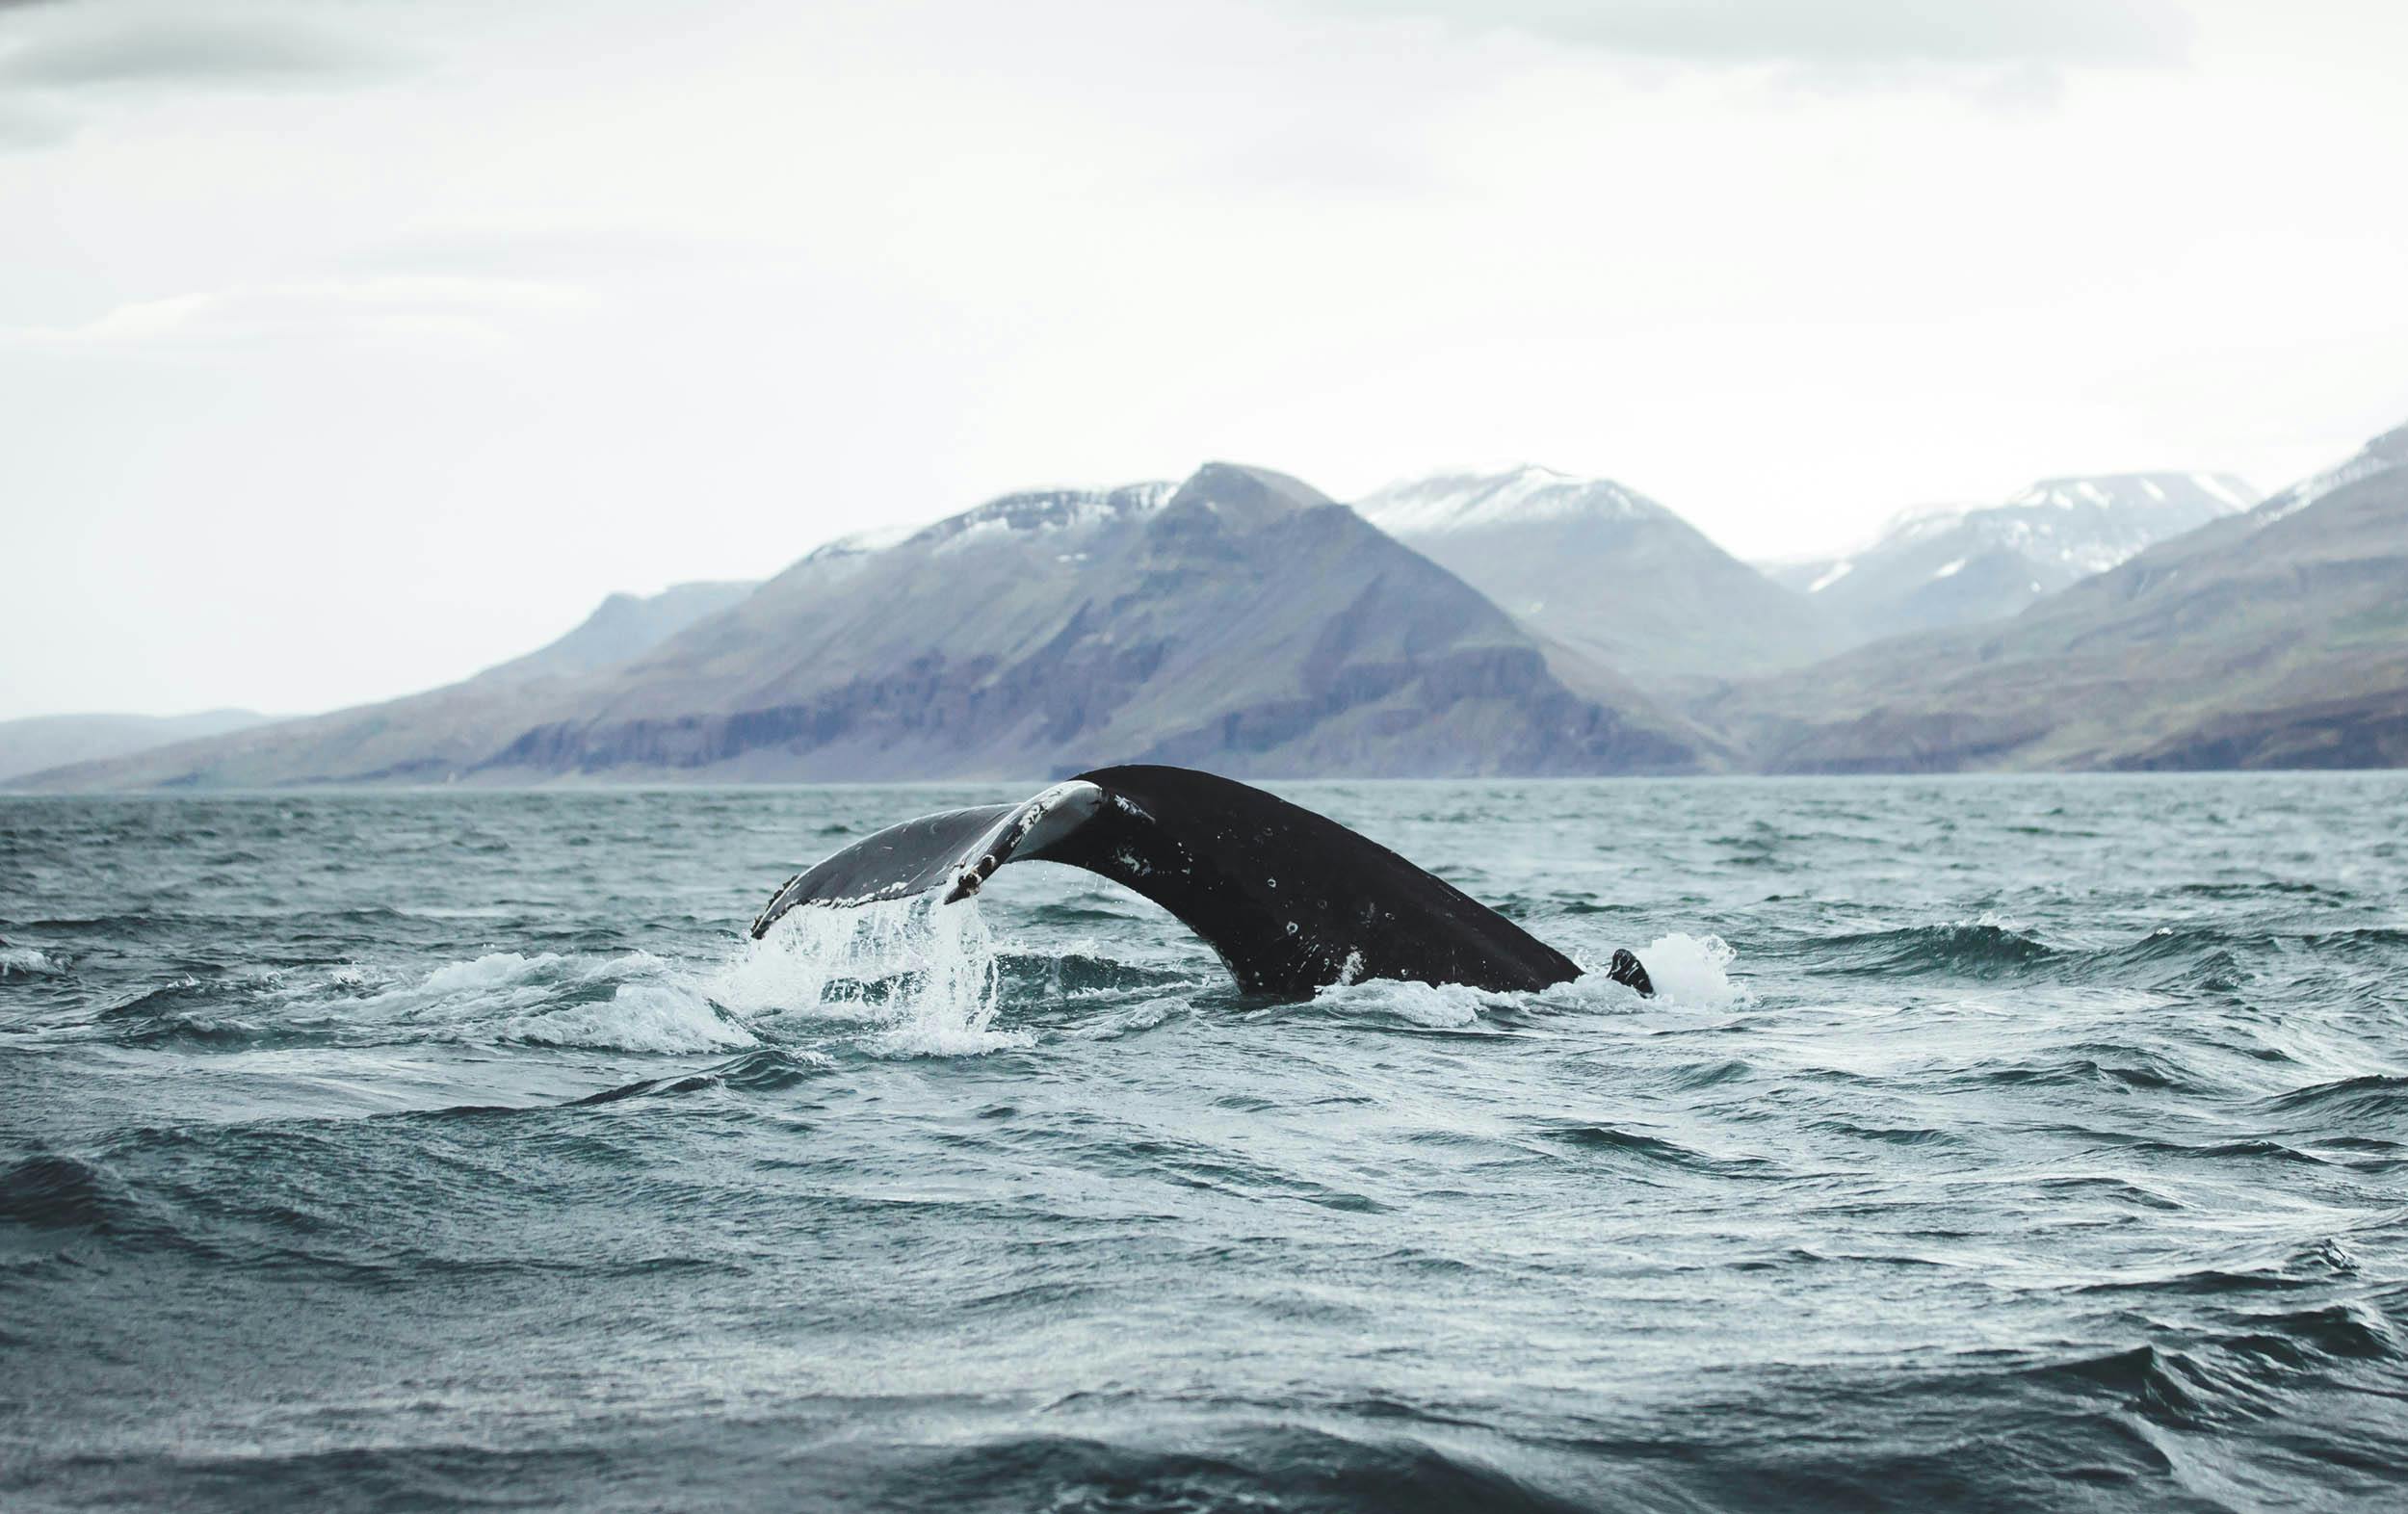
[1292, 900]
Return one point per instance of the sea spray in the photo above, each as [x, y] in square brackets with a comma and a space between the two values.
[921, 974]
[1692, 972]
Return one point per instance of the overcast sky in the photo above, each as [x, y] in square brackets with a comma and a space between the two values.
[347, 346]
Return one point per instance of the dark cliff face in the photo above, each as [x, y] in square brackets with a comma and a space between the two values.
[2278, 637]
[1240, 621]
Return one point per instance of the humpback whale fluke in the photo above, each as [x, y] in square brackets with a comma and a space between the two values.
[1292, 900]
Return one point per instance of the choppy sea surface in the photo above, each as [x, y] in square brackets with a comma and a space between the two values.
[1995, 1144]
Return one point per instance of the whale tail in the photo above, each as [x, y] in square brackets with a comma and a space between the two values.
[1292, 900]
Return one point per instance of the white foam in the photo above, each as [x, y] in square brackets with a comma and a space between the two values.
[1691, 972]
[493, 970]
[25, 959]
[641, 1017]
[509, 995]
[921, 975]
[1437, 1005]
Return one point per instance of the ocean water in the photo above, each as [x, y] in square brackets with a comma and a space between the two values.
[1995, 1144]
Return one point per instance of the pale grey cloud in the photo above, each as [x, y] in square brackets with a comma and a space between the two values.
[237, 51]
[24, 125]
[1824, 34]
[423, 311]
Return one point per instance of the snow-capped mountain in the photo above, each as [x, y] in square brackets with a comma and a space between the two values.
[2272, 639]
[1945, 566]
[1240, 621]
[1606, 570]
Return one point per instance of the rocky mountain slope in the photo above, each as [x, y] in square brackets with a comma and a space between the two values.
[621, 628]
[1608, 571]
[2276, 637]
[1947, 565]
[52, 740]
[1240, 621]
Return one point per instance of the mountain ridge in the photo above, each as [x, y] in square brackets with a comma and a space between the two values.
[36, 744]
[2276, 637]
[1242, 621]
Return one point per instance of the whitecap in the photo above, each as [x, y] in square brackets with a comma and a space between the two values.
[28, 961]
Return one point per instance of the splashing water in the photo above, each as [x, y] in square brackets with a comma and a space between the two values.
[921, 973]
[1688, 973]
[1692, 972]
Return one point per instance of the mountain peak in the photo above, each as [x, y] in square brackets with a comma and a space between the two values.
[1602, 569]
[1046, 510]
[1447, 501]
[623, 627]
[1248, 488]
[2222, 493]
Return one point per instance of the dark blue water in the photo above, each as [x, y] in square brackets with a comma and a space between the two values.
[2041, 1146]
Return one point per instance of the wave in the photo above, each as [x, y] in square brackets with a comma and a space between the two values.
[1430, 1005]
[2301, 1337]
[1285, 1468]
[17, 962]
[2222, 1376]
[1657, 1149]
[1980, 949]
[627, 1001]
[765, 1071]
[2103, 1066]
[2373, 1096]
[630, 1002]
[2170, 1387]
[1073, 975]
[2321, 1265]
[55, 1192]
